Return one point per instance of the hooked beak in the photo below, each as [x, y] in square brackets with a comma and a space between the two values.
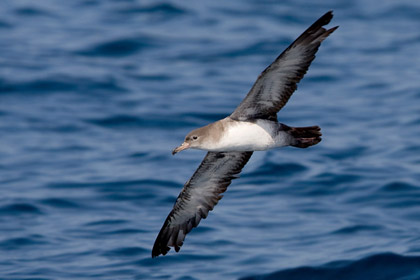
[183, 146]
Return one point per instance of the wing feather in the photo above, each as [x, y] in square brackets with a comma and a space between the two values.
[277, 82]
[199, 196]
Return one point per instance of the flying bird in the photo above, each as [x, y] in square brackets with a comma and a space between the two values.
[252, 126]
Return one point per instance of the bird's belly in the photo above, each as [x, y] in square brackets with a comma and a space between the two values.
[245, 136]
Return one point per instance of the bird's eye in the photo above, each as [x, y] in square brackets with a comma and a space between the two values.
[194, 137]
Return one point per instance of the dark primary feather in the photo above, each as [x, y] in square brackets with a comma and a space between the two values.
[199, 195]
[278, 81]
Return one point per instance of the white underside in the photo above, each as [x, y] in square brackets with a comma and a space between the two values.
[248, 136]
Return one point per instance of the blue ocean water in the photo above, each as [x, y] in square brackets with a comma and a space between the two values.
[95, 94]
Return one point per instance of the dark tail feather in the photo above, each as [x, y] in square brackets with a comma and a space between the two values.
[304, 136]
[306, 142]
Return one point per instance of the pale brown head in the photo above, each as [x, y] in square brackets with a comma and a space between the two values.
[203, 137]
[192, 140]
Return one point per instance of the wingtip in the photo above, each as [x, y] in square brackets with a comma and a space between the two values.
[318, 25]
[159, 247]
[329, 31]
[326, 18]
[157, 251]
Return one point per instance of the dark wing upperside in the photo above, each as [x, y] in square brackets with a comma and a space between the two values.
[199, 196]
[277, 82]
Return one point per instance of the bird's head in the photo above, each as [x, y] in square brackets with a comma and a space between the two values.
[194, 139]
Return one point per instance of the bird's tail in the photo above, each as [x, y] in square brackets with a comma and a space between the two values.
[304, 137]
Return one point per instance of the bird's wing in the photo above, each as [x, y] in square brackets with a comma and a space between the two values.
[278, 81]
[199, 195]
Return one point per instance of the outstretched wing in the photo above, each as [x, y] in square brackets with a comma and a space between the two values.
[278, 81]
[199, 195]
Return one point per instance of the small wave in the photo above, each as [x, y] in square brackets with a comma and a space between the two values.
[161, 8]
[322, 78]
[123, 121]
[334, 179]
[346, 153]
[400, 188]
[19, 242]
[398, 195]
[153, 77]
[19, 208]
[126, 252]
[4, 24]
[126, 231]
[44, 85]
[112, 227]
[59, 203]
[110, 185]
[261, 48]
[276, 170]
[106, 222]
[138, 155]
[379, 267]
[59, 84]
[356, 229]
[398, 10]
[31, 12]
[116, 121]
[118, 47]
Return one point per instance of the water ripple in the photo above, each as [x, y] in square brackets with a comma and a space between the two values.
[160, 8]
[117, 47]
[59, 84]
[94, 94]
[380, 267]
[20, 208]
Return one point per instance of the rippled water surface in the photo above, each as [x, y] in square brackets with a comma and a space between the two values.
[95, 94]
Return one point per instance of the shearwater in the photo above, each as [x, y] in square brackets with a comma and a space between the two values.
[252, 126]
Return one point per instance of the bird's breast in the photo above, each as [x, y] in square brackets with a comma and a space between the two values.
[246, 136]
